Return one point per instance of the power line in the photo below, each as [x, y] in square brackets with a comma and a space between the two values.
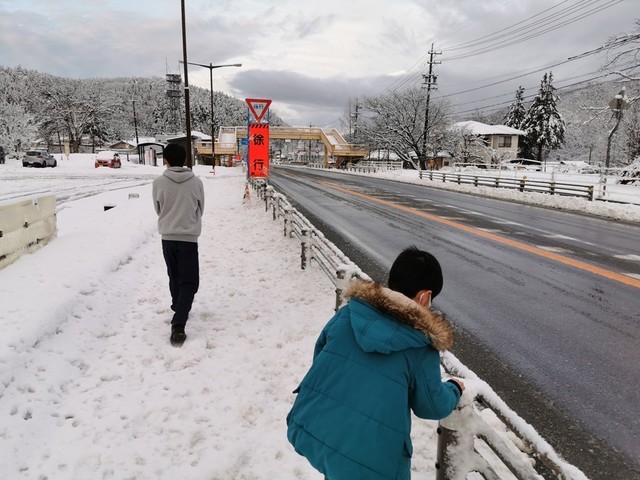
[413, 75]
[496, 106]
[486, 38]
[528, 34]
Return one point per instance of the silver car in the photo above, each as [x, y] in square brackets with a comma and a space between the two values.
[38, 158]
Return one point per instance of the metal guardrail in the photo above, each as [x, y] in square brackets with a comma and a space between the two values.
[519, 449]
[458, 454]
[314, 246]
[522, 184]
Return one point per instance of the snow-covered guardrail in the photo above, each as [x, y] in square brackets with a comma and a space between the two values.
[314, 246]
[467, 442]
[26, 226]
[522, 184]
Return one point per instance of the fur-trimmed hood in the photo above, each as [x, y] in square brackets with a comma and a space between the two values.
[403, 310]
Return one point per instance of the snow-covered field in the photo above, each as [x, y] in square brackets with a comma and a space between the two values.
[89, 384]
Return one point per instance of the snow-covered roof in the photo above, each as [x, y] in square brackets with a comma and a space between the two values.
[143, 140]
[478, 128]
[200, 135]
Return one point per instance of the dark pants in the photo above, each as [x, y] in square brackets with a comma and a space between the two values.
[184, 276]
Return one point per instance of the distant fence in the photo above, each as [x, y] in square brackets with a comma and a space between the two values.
[26, 226]
[458, 435]
[374, 166]
[522, 184]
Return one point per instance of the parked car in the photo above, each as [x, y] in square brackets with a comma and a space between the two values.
[39, 158]
[522, 164]
[1, 155]
[108, 158]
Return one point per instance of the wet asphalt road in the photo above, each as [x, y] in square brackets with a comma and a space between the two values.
[538, 297]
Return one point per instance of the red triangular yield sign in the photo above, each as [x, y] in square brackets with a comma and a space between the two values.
[258, 107]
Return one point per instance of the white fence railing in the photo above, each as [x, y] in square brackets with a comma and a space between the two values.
[459, 434]
[521, 184]
[26, 226]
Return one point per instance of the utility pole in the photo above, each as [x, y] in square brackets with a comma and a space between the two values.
[310, 142]
[355, 121]
[618, 105]
[431, 81]
[187, 106]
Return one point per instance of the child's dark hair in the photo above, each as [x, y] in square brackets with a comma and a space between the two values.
[174, 154]
[414, 270]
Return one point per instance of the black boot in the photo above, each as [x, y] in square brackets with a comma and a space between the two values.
[177, 335]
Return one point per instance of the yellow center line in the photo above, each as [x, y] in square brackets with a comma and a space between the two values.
[496, 238]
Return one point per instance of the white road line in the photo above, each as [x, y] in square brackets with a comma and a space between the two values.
[553, 249]
[631, 256]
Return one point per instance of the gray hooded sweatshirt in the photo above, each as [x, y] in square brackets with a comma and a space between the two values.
[178, 197]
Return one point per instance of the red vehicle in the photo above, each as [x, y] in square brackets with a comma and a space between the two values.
[109, 159]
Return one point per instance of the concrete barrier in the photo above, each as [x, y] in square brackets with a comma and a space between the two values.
[26, 226]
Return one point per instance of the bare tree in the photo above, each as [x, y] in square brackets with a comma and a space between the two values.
[396, 121]
[623, 54]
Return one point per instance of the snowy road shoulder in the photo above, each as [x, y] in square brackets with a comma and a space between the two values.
[104, 395]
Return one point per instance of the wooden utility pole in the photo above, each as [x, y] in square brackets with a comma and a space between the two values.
[431, 81]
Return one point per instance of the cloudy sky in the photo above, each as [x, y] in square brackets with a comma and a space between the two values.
[314, 57]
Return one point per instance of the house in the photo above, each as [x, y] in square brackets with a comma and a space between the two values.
[488, 143]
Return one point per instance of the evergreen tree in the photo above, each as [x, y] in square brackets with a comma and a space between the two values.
[517, 111]
[543, 123]
[515, 118]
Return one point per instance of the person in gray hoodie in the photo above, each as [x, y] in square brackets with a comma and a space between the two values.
[178, 198]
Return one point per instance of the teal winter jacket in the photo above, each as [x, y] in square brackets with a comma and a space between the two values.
[375, 361]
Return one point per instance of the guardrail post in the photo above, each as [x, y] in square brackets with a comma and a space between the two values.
[342, 279]
[304, 244]
[444, 177]
[268, 194]
[446, 439]
[276, 208]
[420, 174]
[590, 190]
[522, 182]
[287, 221]
[497, 180]
[475, 181]
[552, 188]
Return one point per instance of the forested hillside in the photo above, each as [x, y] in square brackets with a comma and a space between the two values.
[589, 120]
[37, 106]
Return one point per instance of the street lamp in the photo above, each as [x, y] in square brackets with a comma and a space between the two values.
[211, 67]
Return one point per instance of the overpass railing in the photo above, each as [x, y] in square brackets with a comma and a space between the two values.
[467, 443]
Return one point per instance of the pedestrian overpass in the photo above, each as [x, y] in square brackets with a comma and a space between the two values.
[335, 146]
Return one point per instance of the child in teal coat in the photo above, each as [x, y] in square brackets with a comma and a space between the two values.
[376, 361]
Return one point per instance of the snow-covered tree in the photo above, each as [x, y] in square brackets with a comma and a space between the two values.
[517, 111]
[395, 121]
[515, 118]
[543, 123]
[623, 53]
[632, 130]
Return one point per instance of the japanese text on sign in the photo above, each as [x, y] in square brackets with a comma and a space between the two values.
[258, 150]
